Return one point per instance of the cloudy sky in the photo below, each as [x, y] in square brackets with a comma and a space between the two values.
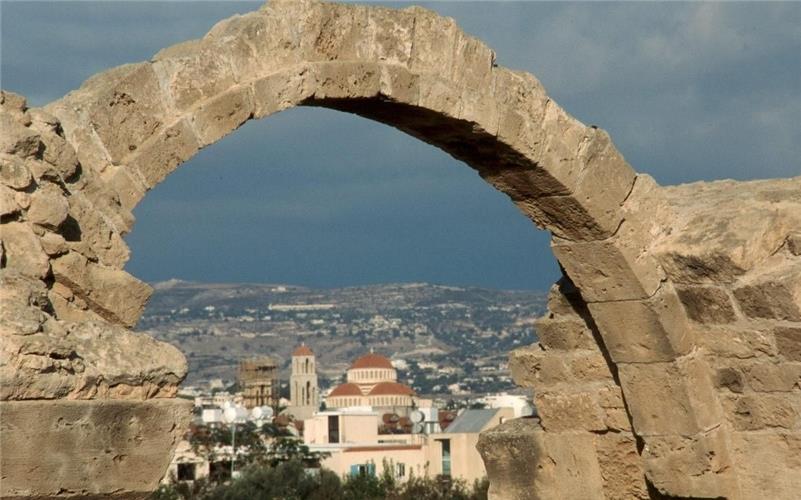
[689, 91]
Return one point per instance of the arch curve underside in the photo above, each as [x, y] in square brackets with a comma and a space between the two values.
[668, 364]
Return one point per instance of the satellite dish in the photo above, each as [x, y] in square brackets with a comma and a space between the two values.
[417, 417]
[417, 429]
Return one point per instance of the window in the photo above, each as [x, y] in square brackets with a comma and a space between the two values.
[186, 472]
[367, 469]
[400, 470]
[333, 428]
[446, 456]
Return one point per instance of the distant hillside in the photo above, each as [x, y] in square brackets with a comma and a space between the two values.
[442, 335]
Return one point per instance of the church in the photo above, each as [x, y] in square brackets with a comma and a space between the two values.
[372, 381]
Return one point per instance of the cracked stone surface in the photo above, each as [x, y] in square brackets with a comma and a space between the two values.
[668, 363]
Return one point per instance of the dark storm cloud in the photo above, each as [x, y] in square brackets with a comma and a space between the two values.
[688, 91]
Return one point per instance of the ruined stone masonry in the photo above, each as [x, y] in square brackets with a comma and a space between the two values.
[668, 366]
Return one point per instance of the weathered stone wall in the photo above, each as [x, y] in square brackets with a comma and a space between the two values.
[667, 366]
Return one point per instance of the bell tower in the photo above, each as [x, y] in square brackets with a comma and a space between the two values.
[303, 394]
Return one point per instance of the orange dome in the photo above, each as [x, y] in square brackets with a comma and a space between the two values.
[371, 361]
[302, 350]
[391, 389]
[347, 389]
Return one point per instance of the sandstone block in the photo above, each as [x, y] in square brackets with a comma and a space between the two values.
[670, 398]
[127, 182]
[391, 34]
[438, 95]
[54, 244]
[653, 329]
[533, 367]
[49, 206]
[343, 34]
[564, 334]
[735, 342]
[23, 251]
[223, 114]
[18, 139]
[11, 102]
[696, 466]
[128, 113]
[730, 378]
[788, 341]
[767, 463]
[434, 42]
[14, 173]
[160, 157]
[89, 231]
[608, 270]
[772, 377]
[339, 80]
[523, 462]
[561, 411]
[8, 202]
[399, 84]
[706, 304]
[775, 295]
[195, 76]
[282, 90]
[620, 466]
[111, 293]
[757, 411]
[794, 243]
[118, 449]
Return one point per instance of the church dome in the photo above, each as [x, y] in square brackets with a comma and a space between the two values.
[391, 389]
[302, 350]
[346, 389]
[371, 360]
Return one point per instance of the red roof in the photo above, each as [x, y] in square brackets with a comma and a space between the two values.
[346, 389]
[391, 389]
[302, 350]
[371, 361]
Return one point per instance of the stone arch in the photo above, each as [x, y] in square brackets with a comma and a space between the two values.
[91, 156]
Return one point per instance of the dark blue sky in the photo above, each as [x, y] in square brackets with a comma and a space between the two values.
[689, 91]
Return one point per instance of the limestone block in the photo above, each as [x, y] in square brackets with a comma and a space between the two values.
[620, 466]
[391, 34]
[564, 334]
[706, 304]
[340, 80]
[696, 466]
[767, 463]
[608, 270]
[18, 139]
[654, 329]
[282, 90]
[773, 295]
[129, 112]
[48, 207]
[563, 411]
[670, 398]
[565, 216]
[223, 114]
[157, 159]
[756, 411]
[14, 173]
[788, 340]
[564, 299]
[523, 462]
[112, 293]
[117, 449]
[23, 251]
